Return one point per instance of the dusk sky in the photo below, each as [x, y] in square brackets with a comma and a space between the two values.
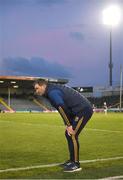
[59, 39]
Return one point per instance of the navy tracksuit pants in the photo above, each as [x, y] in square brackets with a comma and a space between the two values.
[78, 124]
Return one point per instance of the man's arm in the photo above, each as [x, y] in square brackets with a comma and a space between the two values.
[56, 97]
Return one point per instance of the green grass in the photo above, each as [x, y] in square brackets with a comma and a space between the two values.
[38, 139]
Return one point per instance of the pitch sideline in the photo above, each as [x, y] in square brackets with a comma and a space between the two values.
[86, 129]
[113, 177]
[56, 164]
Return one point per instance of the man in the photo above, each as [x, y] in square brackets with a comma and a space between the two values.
[105, 108]
[75, 110]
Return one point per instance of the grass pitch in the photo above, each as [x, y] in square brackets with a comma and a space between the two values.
[38, 139]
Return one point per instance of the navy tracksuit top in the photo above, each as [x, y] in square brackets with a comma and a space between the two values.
[66, 100]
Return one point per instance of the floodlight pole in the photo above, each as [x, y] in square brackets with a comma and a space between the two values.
[110, 62]
[9, 93]
[121, 80]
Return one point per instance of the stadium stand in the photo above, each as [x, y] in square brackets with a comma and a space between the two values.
[46, 103]
[2, 108]
[23, 98]
[22, 104]
[17, 94]
[112, 101]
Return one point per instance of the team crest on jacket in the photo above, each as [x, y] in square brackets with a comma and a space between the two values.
[76, 118]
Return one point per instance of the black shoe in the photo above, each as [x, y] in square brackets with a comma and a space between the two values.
[67, 163]
[75, 166]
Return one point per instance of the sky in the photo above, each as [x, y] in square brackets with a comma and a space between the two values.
[59, 39]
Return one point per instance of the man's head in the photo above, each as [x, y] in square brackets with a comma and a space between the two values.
[40, 87]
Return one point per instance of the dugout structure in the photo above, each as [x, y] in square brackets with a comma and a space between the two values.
[20, 86]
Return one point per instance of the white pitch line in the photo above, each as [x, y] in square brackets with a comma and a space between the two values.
[40, 125]
[31, 124]
[57, 164]
[103, 159]
[91, 129]
[113, 177]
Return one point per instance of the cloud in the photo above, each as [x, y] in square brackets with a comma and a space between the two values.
[35, 66]
[50, 2]
[13, 2]
[31, 2]
[77, 35]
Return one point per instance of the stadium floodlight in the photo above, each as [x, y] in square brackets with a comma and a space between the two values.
[111, 18]
[1, 81]
[121, 88]
[112, 15]
[13, 82]
[15, 86]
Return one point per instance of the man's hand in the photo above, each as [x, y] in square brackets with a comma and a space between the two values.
[70, 130]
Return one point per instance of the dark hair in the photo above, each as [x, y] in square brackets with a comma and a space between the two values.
[40, 82]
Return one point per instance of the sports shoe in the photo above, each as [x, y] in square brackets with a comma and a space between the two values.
[67, 163]
[75, 166]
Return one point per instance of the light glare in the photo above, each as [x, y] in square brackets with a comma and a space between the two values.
[112, 15]
[1, 81]
[15, 86]
[13, 82]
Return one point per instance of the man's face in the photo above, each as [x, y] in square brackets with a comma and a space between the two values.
[40, 89]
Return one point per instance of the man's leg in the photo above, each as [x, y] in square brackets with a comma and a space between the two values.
[73, 142]
[70, 146]
[86, 116]
[73, 146]
[78, 126]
